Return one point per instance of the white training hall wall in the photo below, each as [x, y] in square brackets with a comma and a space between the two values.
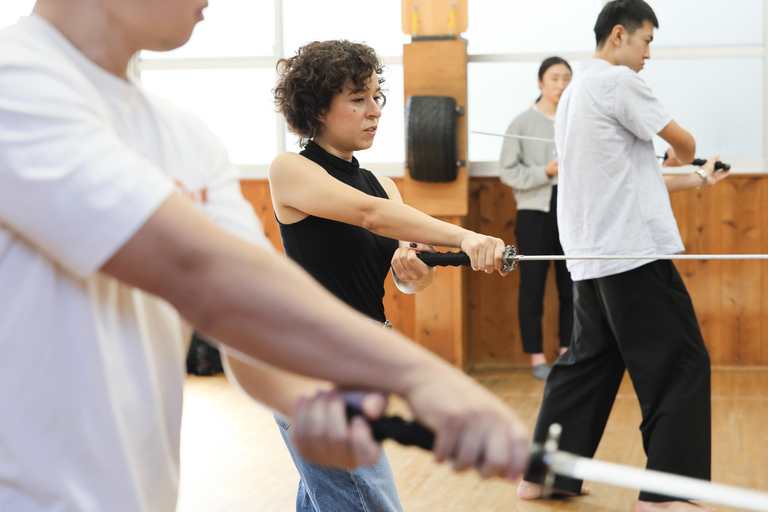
[707, 67]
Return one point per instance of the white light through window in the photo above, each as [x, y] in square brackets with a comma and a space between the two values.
[236, 104]
[12, 10]
[232, 28]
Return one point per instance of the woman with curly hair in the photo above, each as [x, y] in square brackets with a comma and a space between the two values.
[347, 226]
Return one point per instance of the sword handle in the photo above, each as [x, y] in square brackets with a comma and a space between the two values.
[408, 433]
[445, 259]
[461, 259]
[719, 166]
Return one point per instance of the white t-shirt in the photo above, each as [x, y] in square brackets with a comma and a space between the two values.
[611, 196]
[91, 370]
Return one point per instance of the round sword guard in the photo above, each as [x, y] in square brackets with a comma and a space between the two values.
[539, 467]
[509, 258]
[551, 446]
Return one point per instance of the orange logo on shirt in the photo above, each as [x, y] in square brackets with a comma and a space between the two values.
[197, 196]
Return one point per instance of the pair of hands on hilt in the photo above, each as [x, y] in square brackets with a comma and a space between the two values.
[485, 253]
[713, 176]
[472, 427]
[409, 269]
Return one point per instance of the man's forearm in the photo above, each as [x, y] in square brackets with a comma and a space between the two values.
[678, 182]
[270, 309]
[262, 305]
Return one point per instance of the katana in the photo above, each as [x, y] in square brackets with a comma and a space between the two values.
[547, 461]
[719, 166]
[510, 258]
[513, 136]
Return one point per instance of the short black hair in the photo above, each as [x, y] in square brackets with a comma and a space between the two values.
[630, 14]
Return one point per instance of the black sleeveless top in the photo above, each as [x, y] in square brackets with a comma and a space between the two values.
[351, 262]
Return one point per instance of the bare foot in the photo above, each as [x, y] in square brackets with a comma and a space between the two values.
[531, 491]
[669, 506]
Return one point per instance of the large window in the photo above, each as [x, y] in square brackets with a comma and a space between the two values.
[11, 10]
[707, 67]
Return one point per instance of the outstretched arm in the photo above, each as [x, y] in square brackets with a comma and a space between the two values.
[697, 179]
[277, 389]
[300, 188]
[681, 141]
[411, 275]
[268, 308]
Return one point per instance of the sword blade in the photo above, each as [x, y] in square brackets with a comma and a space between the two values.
[581, 468]
[513, 136]
[551, 257]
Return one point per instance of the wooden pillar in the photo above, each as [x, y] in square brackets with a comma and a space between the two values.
[435, 64]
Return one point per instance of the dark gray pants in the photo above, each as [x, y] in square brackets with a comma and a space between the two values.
[642, 321]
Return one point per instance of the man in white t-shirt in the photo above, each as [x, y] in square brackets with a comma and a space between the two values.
[628, 314]
[110, 207]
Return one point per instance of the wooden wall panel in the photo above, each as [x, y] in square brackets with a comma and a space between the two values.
[439, 68]
[494, 338]
[730, 297]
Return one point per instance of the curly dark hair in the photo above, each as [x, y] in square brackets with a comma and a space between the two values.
[308, 81]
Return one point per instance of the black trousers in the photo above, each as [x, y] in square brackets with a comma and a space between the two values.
[537, 233]
[642, 320]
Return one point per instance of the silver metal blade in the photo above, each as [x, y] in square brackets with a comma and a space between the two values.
[551, 257]
[513, 136]
[581, 468]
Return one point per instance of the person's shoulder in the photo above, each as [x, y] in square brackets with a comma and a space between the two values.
[290, 162]
[522, 119]
[289, 158]
[625, 77]
[25, 47]
[528, 115]
[182, 120]
[388, 184]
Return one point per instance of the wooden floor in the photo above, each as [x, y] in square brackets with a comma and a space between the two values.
[233, 458]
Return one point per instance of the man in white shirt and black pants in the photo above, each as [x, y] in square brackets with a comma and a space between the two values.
[628, 314]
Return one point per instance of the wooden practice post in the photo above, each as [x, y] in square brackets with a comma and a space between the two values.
[435, 64]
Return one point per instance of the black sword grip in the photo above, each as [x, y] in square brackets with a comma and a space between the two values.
[408, 433]
[719, 166]
[445, 259]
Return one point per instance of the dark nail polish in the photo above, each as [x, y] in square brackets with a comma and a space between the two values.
[413, 244]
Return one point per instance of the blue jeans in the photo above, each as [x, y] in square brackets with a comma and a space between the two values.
[324, 489]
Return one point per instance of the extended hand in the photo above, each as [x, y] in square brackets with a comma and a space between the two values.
[322, 434]
[672, 160]
[409, 268]
[709, 168]
[485, 252]
[551, 169]
[473, 427]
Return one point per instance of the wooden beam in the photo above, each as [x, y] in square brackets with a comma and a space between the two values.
[429, 18]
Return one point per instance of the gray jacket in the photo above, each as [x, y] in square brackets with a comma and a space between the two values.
[523, 162]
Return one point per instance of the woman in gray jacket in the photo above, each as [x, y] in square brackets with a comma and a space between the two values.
[530, 168]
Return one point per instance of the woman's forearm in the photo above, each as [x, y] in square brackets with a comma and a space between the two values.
[277, 389]
[403, 222]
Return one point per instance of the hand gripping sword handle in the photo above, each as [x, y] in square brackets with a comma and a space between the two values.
[408, 433]
[461, 259]
[445, 259]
